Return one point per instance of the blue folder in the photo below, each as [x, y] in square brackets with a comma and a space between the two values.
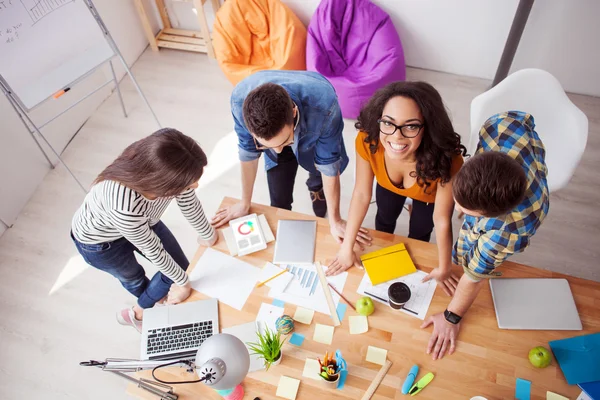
[578, 358]
[592, 389]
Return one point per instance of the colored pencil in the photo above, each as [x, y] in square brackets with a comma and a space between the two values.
[342, 296]
[271, 278]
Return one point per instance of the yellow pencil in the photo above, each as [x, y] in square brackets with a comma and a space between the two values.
[271, 278]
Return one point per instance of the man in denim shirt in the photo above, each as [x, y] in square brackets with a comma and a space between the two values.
[294, 118]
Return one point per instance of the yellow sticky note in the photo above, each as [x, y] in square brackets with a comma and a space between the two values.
[388, 263]
[287, 388]
[304, 315]
[358, 324]
[323, 334]
[376, 355]
[554, 396]
[311, 369]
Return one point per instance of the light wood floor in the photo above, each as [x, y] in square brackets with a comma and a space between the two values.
[57, 312]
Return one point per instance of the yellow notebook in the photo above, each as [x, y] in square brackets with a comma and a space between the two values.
[387, 264]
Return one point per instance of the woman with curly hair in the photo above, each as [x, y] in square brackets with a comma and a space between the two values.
[406, 141]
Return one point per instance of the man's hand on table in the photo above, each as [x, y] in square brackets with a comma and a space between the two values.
[443, 338]
[226, 214]
[338, 231]
[444, 276]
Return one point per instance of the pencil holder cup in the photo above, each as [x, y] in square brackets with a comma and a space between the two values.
[333, 383]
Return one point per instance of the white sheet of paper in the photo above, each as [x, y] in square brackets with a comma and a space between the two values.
[247, 334]
[305, 289]
[376, 355]
[323, 334]
[287, 388]
[224, 277]
[278, 284]
[304, 315]
[311, 369]
[267, 317]
[358, 324]
[420, 297]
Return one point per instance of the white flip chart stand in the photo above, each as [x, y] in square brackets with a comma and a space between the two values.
[47, 46]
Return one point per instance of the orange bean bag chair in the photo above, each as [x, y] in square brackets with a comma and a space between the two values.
[254, 35]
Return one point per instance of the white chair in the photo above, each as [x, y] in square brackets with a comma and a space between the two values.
[559, 123]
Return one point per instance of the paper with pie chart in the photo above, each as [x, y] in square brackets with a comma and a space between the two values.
[248, 234]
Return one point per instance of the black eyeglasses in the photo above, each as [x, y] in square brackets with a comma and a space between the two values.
[288, 142]
[409, 131]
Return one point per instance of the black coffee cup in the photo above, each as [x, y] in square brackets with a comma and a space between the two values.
[398, 295]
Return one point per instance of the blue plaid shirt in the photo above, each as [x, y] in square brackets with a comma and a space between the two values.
[318, 141]
[484, 243]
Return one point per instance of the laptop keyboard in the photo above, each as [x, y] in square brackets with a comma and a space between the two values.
[176, 338]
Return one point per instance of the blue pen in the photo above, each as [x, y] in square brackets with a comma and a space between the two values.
[410, 379]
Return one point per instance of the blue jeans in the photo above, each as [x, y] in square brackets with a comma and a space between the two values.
[118, 259]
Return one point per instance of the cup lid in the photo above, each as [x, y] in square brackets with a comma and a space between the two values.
[399, 292]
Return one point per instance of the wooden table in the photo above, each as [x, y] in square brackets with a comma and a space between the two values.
[486, 362]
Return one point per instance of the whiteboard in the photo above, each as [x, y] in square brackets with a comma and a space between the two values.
[45, 45]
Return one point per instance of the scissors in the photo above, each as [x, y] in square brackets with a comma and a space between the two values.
[342, 368]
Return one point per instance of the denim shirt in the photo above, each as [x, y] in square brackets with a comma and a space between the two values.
[318, 141]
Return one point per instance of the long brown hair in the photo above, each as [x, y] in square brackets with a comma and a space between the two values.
[440, 144]
[162, 164]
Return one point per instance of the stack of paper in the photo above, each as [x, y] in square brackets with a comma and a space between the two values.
[421, 292]
[267, 317]
[387, 264]
[278, 284]
[225, 278]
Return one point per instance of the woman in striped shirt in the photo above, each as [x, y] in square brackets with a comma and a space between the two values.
[121, 216]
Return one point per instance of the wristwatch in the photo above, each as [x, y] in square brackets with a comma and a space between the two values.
[451, 317]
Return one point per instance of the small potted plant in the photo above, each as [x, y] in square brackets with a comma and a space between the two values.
[268, 347]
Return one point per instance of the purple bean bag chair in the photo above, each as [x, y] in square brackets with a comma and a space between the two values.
[354, 44]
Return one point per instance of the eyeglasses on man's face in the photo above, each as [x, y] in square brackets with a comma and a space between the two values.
[409, 131]
[288, 142]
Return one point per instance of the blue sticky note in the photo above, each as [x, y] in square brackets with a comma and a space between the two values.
[578, 358]
[523, 389]
[278, 303]
[341, 310]
[297, 339]
[592, 389]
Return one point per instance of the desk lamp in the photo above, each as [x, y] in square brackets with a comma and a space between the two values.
[222, 362]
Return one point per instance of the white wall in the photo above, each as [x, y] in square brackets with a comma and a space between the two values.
[563, 37]
[466, 37]
[22, 165]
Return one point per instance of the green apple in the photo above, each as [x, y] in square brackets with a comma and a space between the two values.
[365, 306]
[540, 357]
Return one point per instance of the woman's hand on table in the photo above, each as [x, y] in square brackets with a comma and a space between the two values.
[444, 276]
[177, 293]
[342, 262]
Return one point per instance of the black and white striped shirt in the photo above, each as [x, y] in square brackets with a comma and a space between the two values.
[112, 211]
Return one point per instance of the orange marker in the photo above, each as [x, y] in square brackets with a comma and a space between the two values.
[58, 94]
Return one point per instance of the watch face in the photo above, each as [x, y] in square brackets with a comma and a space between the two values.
[451, 317]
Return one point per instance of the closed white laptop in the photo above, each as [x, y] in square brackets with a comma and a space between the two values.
[536, 304]
[296, 242]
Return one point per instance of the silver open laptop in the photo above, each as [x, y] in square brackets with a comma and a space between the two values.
[176, 332]
[537, 304]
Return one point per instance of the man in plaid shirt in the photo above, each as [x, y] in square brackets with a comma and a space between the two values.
[504, 195]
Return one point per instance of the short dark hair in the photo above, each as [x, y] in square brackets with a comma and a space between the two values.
[440, 144]
[491, 183]
[267, 109]
[162, 164]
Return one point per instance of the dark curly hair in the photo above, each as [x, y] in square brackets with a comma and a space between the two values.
[439, 144]
[267, 109]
